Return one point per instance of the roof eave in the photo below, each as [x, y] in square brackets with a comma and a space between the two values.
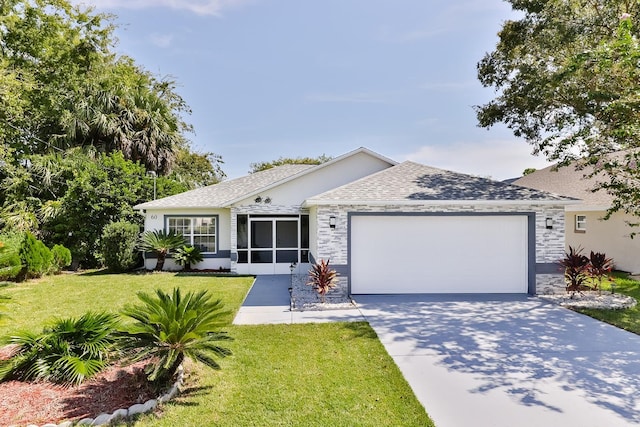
[312, 202]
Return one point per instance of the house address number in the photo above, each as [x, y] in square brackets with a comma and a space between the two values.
[153, 216]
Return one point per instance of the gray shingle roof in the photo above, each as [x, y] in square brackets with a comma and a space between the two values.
[567, 181]
[413, 182]
[221, 194]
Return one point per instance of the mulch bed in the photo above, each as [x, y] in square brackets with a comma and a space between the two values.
[23, 403]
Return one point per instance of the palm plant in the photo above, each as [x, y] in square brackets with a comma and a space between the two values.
[68, 352]
[170, 327]
[187, 255]
[322, 278]
[160, 243]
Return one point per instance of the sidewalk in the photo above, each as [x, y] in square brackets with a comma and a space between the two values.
[268, 303]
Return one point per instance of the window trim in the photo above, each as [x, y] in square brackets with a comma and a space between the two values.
[580, 224]
[216, 217]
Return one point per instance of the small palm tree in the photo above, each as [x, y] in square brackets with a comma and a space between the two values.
[170, 327]
[160, 243]
[68, 352]
[187, 255]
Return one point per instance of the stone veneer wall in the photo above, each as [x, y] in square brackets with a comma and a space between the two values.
[333, 243]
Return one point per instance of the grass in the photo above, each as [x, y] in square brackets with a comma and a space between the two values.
[628, 319]
[34, 303]
[336, 374]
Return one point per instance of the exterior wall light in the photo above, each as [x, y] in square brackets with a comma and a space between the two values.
[549, 223]
[258, 199]
[267, 200]
[332, 222]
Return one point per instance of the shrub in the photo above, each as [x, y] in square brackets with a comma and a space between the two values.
[599, 268]
[170, 327]
[187, 255]
[68, 352]
[118, 246]
[10, 263]
[36, 258]
[575, 270]
[322, 278]
[61, 258]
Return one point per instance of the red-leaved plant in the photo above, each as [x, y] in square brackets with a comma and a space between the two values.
[575, 270]
[599, 267]
[322, 278]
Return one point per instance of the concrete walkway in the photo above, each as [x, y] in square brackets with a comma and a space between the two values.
[268, 303]
[505, 361]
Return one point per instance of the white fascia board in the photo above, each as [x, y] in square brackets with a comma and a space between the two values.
[587, 208]
[312, 202]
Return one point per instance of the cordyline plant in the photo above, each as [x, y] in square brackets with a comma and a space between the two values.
[322, 278]
[599, 268]
[575, 270]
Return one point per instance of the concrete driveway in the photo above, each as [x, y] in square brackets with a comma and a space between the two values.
[509, 360]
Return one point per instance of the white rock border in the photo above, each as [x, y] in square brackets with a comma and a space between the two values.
[605, 301]
[120, 414]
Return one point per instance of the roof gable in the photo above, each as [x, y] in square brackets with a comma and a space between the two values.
[226, 193]
[411, 182]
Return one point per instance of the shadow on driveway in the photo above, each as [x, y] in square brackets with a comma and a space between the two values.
[511, 358]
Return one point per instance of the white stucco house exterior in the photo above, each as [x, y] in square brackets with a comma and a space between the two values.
[386, 227]
[587, 227]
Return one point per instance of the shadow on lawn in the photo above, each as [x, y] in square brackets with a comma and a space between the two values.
[515, 343]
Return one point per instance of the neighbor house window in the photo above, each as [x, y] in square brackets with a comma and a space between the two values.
[581, 223]
[198, 232]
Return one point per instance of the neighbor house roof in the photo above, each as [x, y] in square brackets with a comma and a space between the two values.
[224, 193]
[568, 181]
[413, 183]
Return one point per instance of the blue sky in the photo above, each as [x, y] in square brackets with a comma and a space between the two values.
[271, 78]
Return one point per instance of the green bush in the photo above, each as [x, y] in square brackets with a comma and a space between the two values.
[68, 352]
[118, 246]
[10, 263]
[36, 258]
[61, 258]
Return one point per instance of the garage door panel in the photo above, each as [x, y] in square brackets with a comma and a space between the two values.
[438, 254]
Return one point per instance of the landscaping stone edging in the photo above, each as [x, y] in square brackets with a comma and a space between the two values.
[120, 414]
[592, 300]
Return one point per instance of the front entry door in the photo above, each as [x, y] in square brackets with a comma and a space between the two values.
[274, 245]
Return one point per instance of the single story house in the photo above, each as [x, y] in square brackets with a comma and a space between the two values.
[586, 226]
[386, 227]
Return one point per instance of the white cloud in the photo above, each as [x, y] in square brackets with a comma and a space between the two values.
[199, 7]
[497, 159]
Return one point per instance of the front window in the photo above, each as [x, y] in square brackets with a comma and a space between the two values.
[581, 223]
[198, 232]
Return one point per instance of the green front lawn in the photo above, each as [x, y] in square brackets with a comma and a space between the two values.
[628, 319]
[312, 374]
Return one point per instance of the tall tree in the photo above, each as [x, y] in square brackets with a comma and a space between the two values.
[62, 86]
[567, 80]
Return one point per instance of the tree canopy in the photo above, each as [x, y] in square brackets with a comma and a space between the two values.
[260, 166]
[567, 80]
[81, 127]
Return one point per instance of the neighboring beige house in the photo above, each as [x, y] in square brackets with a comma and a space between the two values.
[585, 223]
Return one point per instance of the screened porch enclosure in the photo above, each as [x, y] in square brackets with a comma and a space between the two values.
[271, 244]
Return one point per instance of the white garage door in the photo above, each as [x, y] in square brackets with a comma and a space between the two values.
[438, 254]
